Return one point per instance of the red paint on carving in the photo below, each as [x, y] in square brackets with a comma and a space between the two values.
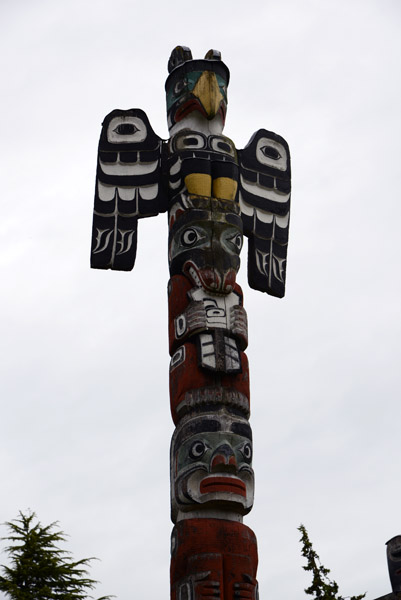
[174, 216]
[223, 484]
[188, 107]
[188, 376]
[218, 460]
[216, 557]
[210, 278]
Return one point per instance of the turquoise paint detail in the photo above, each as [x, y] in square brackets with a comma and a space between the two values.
[187, 84]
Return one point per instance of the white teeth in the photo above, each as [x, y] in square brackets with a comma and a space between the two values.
[195, 276]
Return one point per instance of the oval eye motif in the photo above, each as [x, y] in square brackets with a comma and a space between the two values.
[271, 152]
[197, 449]
[247, 451]
[126, 129]
[224, 147]
[236, 240]
[222, 144]
[189, 237]
[190, 141]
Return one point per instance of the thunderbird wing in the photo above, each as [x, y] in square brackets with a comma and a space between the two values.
[128, 187]
[264, 197]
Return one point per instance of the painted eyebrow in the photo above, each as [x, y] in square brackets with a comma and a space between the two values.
[242, 429]
[204, 426]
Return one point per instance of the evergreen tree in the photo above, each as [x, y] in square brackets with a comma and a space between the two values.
[322, 587]
[39, 569]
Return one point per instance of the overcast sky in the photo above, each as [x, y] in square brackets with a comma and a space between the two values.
[85, 421]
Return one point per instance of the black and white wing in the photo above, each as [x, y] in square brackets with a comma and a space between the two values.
[128, 187]
[264, 197]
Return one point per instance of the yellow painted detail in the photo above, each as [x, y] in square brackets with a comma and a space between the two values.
[224, 188]
[208, 91]
[199, 184]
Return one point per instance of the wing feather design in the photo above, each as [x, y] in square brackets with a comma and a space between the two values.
[128, 187]
[264, 197]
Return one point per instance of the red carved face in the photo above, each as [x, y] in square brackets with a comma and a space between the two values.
[211, 459]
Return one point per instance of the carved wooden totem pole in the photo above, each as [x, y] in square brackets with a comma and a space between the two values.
[213, 195]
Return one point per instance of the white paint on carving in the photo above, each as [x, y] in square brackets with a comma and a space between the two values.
[126, 193]
[126, 241]
[116, 138]
[102, 238]
[264, 216]
[278, 267]
[191, 140]
[217, 308]
[283, 221]
[177, 358]
[262, 262]
[106, 193]
[128, 169]
[149, 192]
[232, 358]
[197, 122]
[180, 324]
[175, 185]
[262, 192]
[279, 163]
[246, 209]
[207, 350]
[176, 168]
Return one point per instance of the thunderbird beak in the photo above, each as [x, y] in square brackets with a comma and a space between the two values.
[208, 92]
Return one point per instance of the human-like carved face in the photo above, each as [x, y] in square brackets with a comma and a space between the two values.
[211, 458]
[206, 250]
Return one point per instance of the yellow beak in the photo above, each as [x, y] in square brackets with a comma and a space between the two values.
[208, 92]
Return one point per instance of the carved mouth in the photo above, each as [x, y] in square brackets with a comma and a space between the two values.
[206, 278]
[223, 484]
[188, 107]
[210, 279]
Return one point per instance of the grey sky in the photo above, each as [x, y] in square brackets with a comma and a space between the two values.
[84, 355]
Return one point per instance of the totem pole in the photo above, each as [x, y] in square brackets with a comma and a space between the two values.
[213, 194]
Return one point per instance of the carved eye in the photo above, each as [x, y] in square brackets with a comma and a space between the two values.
[222, 144]
[179, 86]
[247, 451]
[237, 241]
[270, 152]
[126, 129]
[192, 141]
[197, 449]
[189, 237]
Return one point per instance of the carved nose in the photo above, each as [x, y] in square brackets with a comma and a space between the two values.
[223, 459]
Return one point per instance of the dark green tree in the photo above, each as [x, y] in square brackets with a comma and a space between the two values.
[322, 587]
[39, 569]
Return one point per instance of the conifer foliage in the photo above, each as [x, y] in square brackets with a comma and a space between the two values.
[39, 569]
[322, 588]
